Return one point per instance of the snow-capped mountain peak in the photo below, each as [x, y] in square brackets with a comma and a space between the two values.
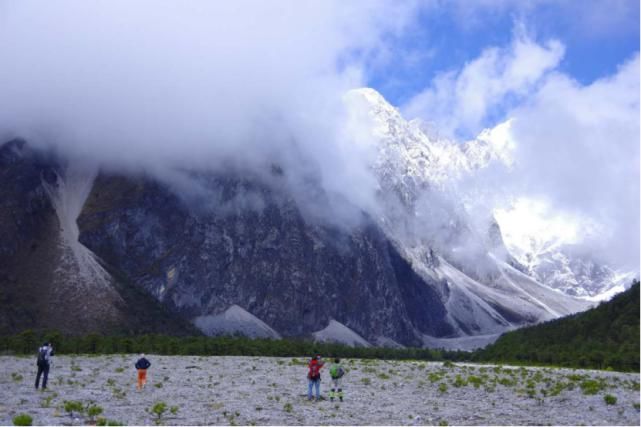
[412, 157]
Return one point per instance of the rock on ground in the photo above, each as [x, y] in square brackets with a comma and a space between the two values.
[264, 390]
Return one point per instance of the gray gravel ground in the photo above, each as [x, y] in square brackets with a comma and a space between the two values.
[259, 391]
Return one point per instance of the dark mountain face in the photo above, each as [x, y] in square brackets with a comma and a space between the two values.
[167, 260]
[40, 284]
[231, 252]
[293, 274]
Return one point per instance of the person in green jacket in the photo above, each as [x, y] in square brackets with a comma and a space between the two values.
[336, 372]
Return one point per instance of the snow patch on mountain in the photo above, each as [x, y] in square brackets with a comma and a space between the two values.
[339, 333]
[467, 343]
[235, 320]
[547, 244]
[68, 195]
[422, 171]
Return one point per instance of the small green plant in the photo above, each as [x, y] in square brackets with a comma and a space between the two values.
[158, 410]
[120, 370]
[366, 381]
[442, 387]
[287, 407]
[93, 411]
[575, 377]
[111, 382]
[442, 423]
[16, 377]
[636, 406]
[475, 381]
[158, 385]
[46, 402]
[592, 386]
[609, 399]
[174, 410]
[22, 420]
[459, 382]
[433, 377]
[448, 364]
[507, 382]
[105, 422]
[72, 406]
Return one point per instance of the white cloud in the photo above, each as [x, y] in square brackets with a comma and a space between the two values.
[578, 147]
[197, 83]
[459, 102]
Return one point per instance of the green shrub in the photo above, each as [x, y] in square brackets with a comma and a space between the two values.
[609, 399]
[93, 411]
[474, 380]
[158, 410]
[459, 382]
[592, 386]
[433, 377]
[72, 406]
[287, 407]
[22, 420]
[105, 422]
[442, 387]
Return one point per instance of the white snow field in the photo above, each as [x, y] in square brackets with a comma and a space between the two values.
[265, 390]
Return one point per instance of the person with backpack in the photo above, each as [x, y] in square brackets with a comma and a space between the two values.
[142, 365]
[43, 363]
[314, 377]
[336, 371]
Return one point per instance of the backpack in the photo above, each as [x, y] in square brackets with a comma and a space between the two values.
[42, 356]
[314, 371]
[336, 371]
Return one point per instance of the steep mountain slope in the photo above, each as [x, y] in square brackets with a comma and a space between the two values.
[421, 168]
[48, 280]
[607, 335]
[432, 228]
[291, 274]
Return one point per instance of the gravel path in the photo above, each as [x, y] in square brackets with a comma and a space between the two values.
[261, 390]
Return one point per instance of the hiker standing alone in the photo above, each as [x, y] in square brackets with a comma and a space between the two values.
[336, 371]
[313, 377]
[142, 365]
[44, 362]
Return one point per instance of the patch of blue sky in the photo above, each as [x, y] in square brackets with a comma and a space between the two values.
[598, 35]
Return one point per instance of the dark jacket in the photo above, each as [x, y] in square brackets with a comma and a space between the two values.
[47, 351]
[143, 363]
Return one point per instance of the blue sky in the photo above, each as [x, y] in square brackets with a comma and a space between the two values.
[598, 37]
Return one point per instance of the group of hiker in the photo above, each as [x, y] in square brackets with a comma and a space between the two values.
[336, 373]
[314, 367]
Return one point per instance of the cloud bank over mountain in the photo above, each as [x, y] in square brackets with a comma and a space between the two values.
[193, 84]
[169, 86]
[575, 146]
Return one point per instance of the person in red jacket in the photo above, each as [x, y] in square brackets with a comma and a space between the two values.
[313, 376]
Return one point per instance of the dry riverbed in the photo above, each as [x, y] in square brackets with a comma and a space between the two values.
[263, 390]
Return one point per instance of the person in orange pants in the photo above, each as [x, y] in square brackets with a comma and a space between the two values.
[142, 365]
